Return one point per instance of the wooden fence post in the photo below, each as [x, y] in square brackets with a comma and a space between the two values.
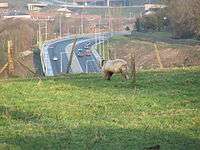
[5, 67]
[10, 59]
[158, 56]
[133, 69]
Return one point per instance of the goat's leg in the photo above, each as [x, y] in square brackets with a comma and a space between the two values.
[109, 75]
[124, 75]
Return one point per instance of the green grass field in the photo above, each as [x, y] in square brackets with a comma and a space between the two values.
[87, 112]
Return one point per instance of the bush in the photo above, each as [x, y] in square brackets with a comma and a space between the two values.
[152, 22]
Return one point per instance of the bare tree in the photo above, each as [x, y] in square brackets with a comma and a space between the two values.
[184, 17]
[21, 32]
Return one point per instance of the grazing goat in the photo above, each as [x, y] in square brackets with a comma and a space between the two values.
[116, 66]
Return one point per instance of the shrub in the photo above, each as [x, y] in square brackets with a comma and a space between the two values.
[152, 22]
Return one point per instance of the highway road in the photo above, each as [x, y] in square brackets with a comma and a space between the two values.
[55, 55]
[88, 63]
[58, 56]
[55, 50]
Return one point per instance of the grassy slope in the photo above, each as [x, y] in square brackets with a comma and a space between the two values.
[86, 112]
[162, 37]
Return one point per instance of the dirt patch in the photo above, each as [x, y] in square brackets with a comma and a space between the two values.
[171, 55]
[23, 36]
[21, 71]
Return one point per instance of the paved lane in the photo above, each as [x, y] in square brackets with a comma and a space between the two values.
[58, 55]
[88, 63]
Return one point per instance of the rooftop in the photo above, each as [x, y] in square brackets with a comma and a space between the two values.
[42, 16]
[3, 5]
[37, 4]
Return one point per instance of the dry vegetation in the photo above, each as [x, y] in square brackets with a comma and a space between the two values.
[23, 35]
[172, 55]
[184, 19]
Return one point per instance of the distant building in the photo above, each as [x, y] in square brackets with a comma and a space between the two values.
[87, 17]
[42, 16]
[16, 14]
[102, 2]
[84, 2]
[3, 5]
[36, 6]
[149, 6]
[3, 9]
[65, 11]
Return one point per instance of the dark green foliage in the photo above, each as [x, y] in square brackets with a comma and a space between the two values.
[156, 21]
[127, 28]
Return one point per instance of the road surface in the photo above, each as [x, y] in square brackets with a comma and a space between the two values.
[55, 54]
[58, 53]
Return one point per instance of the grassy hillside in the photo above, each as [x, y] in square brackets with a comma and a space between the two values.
[162, 37]
[86, 112]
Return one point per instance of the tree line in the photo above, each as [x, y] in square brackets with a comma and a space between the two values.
[180, 17]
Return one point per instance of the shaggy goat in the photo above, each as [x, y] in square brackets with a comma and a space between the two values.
[116, 66]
